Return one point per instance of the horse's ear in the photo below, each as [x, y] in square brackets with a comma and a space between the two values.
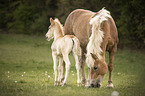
[94, 56]
[56, 18]
[51, 20]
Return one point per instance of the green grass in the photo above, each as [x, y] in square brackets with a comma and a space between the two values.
[26, 63]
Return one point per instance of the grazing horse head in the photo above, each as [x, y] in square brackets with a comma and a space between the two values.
[97, 71]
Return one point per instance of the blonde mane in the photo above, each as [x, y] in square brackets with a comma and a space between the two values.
[61, 26]
[96, 38]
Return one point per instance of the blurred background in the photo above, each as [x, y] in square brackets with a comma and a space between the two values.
[31, 17]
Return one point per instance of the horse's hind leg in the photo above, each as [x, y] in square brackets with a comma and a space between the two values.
[60, 69]
[78, 68]
[68, 64]
[55, 66]
[62, 72]
[110, 65]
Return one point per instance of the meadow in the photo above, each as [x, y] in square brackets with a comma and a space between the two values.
[26, 69]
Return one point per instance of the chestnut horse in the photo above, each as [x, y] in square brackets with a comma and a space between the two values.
[97, 34]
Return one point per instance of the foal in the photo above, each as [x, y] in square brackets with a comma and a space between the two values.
[61, 47]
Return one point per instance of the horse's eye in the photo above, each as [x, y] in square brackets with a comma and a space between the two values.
[95, 68]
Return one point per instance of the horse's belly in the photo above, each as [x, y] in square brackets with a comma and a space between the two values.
[63, 46]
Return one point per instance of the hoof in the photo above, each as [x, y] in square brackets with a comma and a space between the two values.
[63, 84]
[110, 85]
[84, 82]
[58, 83]
[79, 84]
[55, 84]
[62, 79]
[87, 86]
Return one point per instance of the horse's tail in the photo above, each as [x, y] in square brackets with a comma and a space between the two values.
[76, 47]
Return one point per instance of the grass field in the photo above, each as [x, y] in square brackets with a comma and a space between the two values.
[26, 69]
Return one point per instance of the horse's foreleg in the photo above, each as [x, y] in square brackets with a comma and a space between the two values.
[60, 69]
[78, 68]
[89, 78]
[68, 64]
[55, 66]
[110, 65]
[82, 62]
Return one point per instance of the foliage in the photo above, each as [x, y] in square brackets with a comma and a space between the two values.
[131, 22]
[26, 69]
[32, 16]
[40, 25]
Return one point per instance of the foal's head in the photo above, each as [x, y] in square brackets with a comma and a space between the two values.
[98, 71]
[50, 33]
[54, 27]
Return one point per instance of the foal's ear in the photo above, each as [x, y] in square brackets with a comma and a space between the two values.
[94, 56]
[51, 20]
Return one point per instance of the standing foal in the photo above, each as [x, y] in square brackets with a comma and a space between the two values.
[61, 47]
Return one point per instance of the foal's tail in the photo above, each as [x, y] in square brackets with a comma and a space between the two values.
[76, 47]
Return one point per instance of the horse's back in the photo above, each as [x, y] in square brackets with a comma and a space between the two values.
[76, 15]
[77, 23]
[62, 45]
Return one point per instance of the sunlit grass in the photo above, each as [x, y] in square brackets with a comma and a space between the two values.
[26, 69]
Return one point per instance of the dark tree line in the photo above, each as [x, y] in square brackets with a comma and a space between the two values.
[32, 16]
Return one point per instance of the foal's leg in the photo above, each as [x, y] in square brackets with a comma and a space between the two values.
[82, 62]
[60, 69]
[68, 64]
[77, 67]
[55, 66]
[110, 65]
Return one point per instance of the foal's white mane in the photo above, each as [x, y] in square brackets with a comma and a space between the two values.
[96, 38]
[61, 26]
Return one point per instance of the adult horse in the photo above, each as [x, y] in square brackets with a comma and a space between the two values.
[97, 33]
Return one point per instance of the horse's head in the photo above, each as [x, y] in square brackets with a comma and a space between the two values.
[97, 72]
[55, 29]
[50, 33]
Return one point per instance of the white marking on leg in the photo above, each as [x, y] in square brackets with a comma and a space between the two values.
[78, 68]
[89, 78]
[55, 66]
[60, 69]
[68, 64]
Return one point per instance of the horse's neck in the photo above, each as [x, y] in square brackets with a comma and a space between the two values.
[58, 33]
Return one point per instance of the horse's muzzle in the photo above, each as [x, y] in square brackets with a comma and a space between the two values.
[97, 85]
